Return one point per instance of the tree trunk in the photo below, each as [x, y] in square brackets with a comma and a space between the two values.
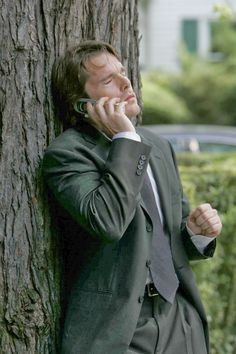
[33, 33]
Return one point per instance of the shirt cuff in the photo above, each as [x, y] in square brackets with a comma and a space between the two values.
[127, 135]
[200, 241]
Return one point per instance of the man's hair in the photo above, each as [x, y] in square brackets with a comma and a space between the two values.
[69, 76]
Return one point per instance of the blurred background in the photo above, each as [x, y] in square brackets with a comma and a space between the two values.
[188, 71]
[188, 61]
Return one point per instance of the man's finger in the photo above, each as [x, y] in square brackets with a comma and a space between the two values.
[200, 210]
[206, 216]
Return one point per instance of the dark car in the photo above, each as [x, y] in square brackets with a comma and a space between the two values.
[195, 138]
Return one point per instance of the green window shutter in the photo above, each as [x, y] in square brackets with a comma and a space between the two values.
[190, 35]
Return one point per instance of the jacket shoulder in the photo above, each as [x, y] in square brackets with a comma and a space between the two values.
[153, 138]
[67, 139]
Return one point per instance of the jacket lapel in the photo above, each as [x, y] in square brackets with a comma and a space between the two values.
[161, 176]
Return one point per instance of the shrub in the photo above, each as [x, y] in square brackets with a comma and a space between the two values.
[161, 104]
[212, 178]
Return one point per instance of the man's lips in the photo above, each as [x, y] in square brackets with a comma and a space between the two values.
[129, 97]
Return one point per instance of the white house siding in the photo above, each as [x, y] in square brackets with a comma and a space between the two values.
[160, 28]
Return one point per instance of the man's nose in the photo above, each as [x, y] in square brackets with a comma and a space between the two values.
[125, 82]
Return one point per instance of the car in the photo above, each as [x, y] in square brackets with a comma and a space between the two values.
[197, 138]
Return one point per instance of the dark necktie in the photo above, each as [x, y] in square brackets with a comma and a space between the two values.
[162, 267]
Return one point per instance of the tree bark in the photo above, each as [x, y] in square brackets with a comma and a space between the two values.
[33, 34]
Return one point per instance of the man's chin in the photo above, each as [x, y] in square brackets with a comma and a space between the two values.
[132, 111]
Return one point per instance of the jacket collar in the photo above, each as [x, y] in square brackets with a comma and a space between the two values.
[91, 134]
[99, 142]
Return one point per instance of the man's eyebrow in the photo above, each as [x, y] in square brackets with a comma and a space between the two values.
[122, 69]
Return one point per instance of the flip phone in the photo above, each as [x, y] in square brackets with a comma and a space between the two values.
[81, 107]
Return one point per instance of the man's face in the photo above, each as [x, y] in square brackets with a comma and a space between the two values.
[106, 78]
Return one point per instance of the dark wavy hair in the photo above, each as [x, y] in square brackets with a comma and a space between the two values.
[69, 76]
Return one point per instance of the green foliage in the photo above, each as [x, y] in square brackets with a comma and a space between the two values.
[208, 88]
[224, 11]
[225, 43]
[161, 104]
[212, 178]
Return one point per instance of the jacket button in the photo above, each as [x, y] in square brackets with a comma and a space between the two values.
[143, 157]
[139, 172]
[149, 228]
[140, 299]
[148, 263]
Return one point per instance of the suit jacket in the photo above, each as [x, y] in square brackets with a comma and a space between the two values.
[109, 231]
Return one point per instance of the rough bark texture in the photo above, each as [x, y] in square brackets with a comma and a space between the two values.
[33, 33]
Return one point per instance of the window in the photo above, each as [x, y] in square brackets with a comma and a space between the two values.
[190, 34]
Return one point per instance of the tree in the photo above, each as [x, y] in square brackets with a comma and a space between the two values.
[33, 33]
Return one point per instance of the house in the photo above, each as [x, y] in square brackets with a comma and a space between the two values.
[165, 24]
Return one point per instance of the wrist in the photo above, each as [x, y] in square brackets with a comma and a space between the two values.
[127, 135]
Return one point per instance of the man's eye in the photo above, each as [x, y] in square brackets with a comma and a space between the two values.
[107, 82]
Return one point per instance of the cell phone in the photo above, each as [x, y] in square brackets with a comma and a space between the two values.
[81, 105]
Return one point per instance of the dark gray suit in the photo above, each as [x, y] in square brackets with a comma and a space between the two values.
[98, 183]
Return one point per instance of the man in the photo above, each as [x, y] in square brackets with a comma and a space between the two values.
[127, 225]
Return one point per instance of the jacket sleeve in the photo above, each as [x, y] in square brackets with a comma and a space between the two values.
[100, 195]
[192, 251]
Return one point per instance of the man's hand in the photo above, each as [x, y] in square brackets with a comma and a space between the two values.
[204, 220]
[108, 115]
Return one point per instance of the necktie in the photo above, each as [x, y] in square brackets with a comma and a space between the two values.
[162, 267]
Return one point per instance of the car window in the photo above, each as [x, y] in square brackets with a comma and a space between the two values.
[215, 147]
